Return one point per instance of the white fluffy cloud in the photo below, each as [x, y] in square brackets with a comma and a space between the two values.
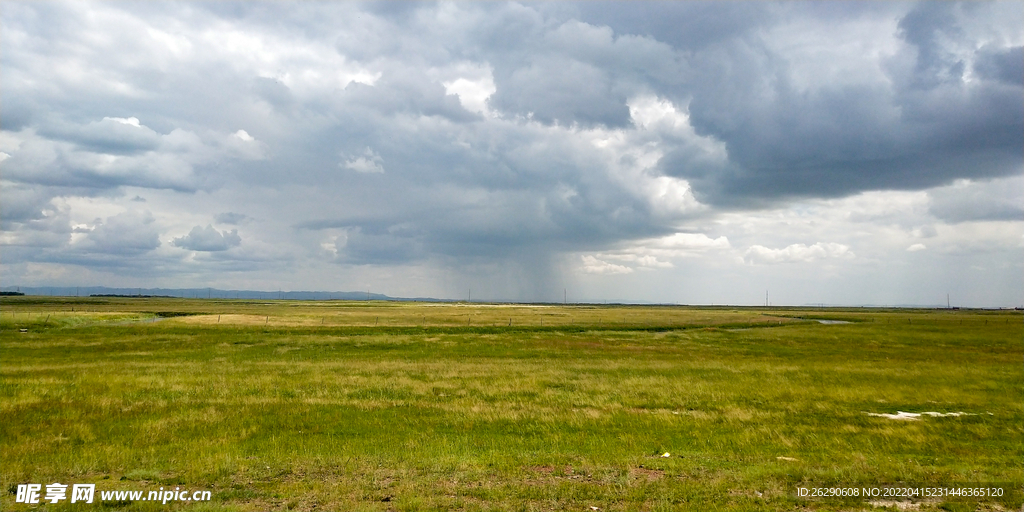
[592, 265]
[208, 239]
[798, 253]
[655, 253]
[369, 162]
[473, 85]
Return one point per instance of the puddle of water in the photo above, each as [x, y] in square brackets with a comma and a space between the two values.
[915, 416]
[832, 322]
[140, 321]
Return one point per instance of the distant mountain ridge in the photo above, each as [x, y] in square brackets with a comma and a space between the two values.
[213, 293]
[216, 293]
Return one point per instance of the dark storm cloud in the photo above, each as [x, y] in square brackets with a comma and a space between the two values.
[486, 224]
[687, 25]
[396, 244]
[924, 27]
[1006, 65]
[28, 214]
[924, 128]
[16, 116]
[22, 203]
[117, 136]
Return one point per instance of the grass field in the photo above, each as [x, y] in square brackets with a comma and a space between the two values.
[277, 405]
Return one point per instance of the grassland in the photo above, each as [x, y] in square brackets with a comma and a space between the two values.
[277, 405]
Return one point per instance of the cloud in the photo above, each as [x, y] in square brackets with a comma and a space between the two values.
[655, 253]
[1002, 64]
[797, 253]
[916, 247]
[695, 25]
[473, 84]
[906, 119]
[111, 135]
[240, 145]
[362, 246]
[22, 203]
[130, 233]
[683, 243]
[208, 239]
[131, 121]
[584, 75]
[30, 218]
[592, 265]
[495, 144]
[642, 260]
[112, 154]
[966, 200]
[230, 218]
[370, 162]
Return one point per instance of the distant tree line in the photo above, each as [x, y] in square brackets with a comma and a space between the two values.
[136, 296]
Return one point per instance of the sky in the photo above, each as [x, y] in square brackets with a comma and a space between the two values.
[841, 153]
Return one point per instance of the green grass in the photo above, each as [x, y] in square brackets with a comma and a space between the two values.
[394, 406]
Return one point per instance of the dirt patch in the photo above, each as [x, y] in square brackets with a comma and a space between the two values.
[648, 473]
